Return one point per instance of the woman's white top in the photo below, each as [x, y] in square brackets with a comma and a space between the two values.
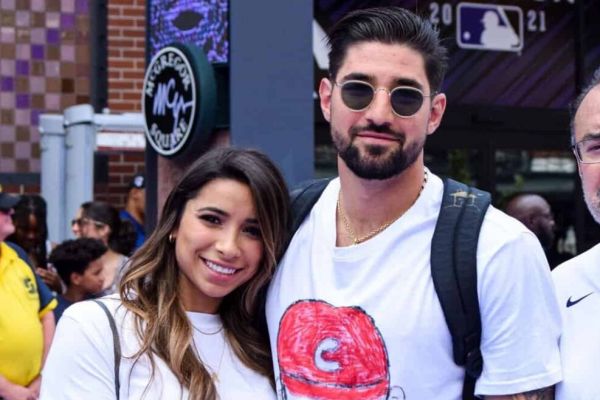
[81, 362]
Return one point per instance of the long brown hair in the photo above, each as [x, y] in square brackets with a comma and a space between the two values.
[149, 288]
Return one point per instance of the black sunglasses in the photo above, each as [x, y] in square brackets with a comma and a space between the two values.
[405, 100]
[83, 220]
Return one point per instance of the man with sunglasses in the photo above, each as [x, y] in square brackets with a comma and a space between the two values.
[26, 320]
[578, 280]
[352, 310]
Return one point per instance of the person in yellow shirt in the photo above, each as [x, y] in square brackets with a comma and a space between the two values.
[26, 322]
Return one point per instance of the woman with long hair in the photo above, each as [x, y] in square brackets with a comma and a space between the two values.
[100, 220]
[31, 231]
[188, 315]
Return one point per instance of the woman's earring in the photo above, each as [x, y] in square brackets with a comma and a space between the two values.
[171, 238]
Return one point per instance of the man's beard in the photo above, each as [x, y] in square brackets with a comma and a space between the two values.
[593, 203]
[379, 163]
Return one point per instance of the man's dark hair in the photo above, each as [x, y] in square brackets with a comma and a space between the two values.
[390, 25]
[75, 256]
[595, 81]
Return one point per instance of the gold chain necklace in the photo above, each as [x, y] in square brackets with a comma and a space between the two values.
[350, 231]
[207, 333]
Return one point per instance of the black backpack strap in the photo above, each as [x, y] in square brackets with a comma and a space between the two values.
[302, 200]
[116, 344]
[454, 273]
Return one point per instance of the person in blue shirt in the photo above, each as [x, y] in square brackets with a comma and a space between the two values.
[135, 208]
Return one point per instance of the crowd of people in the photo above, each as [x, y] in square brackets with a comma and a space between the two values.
[228, 298]
[41, 279]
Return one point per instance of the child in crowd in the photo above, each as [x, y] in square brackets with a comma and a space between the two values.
[79, 265]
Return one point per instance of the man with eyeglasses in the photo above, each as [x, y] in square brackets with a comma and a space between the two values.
[352, 310]
[26, 320]
[578, 280]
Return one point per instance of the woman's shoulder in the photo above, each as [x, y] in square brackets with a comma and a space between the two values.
[101, 319]
[95, 311]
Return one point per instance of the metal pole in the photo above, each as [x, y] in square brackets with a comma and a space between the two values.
[81, 143]
[52, 146]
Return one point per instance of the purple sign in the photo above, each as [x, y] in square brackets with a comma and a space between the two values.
[203, 23]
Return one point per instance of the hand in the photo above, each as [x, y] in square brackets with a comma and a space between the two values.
[50, 278]
[17, 392]
[35, 386]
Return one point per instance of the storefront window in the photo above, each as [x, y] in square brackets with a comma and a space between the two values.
[545, 172]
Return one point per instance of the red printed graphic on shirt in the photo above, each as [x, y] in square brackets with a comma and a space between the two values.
[326, 353]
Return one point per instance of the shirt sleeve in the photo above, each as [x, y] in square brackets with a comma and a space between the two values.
[80, 364]
[520, 319]
[47, 298]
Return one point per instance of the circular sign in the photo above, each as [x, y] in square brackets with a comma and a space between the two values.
[178, 100]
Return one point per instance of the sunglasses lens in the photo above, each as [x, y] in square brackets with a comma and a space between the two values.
[357, 95]
[406, 101]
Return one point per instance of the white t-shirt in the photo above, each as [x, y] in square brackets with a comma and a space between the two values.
[80, 364]
[365, 321]
[577, 284]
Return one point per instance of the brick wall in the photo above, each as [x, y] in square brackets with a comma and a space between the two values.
[21, 188]
[122, 165]
[126, 54]
[44, 67]
[126, 32]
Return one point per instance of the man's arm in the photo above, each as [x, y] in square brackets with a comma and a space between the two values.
[518, 292]
[538, 394]
[48, 326]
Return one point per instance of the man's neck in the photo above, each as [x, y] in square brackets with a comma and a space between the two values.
[73, 294]
[367, 204]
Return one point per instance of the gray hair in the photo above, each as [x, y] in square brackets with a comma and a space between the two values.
[595, 81]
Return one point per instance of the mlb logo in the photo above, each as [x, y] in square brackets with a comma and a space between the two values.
[489, 27]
